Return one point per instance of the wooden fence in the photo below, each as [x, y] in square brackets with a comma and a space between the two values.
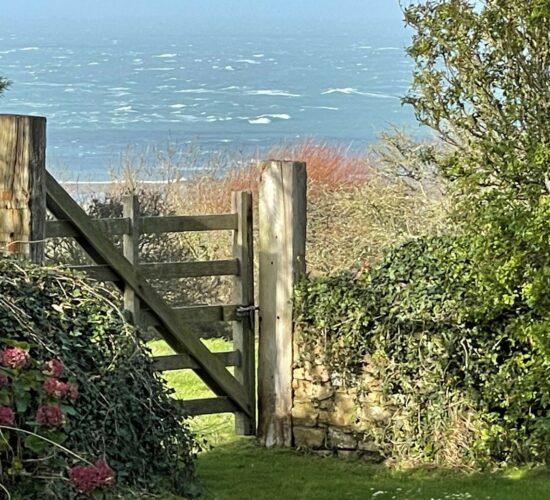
[27, 189]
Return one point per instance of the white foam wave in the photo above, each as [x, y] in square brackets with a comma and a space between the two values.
[229, 68]
[165, 56]
[278, 93]
[196, 91]
[259, 121]
[178, 106]
[26, 49]
[125, 109]
[280, 116]
[353, 91]
[330, 108]
[345, 90]
[247, 61]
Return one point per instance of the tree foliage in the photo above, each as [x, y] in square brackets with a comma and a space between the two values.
[482, 80]
[4, 84]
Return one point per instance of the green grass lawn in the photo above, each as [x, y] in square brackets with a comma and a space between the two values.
[239, 469]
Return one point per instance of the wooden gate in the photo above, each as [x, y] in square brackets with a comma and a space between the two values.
[234, 393]
[26, 188]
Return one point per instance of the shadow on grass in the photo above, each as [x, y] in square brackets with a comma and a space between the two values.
[244, 470]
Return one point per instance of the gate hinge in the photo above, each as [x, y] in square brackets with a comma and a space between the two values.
[243, 311]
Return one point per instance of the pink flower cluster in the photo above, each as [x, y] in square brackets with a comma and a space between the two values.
[58, 389]
[14, 357]
[7, 416]
[89, 478]
[50, 415]
[53, 368]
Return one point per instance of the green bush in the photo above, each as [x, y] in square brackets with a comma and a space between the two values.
[123, 413]
[467, 373]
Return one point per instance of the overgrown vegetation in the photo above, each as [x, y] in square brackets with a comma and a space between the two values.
[458, 325]
[466, 380]
[83, 379]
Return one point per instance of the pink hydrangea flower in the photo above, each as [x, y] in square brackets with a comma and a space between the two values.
[58, 389]
[53, 387]
[53, 368]
[71, 391]
[50, 415]
[4, 381]
[89, 478]
[7, 416]
[14, 357]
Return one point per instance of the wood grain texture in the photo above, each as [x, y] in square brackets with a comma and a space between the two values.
[184, 361]
[207, 406]
[22, 185]
[103, 251]
[182, 223]
[64, 229]
[243, 293]
[130, 250]
[282, 220]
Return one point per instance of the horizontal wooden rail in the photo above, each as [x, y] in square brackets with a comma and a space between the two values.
[184, 361]
[173, 270]
[64, 229]
[167, 271]
[149, 225]
[197, 314]
[207, 406]
[182, 223]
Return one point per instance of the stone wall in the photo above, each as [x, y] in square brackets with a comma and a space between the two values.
[331, 419]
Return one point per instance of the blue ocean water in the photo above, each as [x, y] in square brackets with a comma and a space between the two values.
[106, 91]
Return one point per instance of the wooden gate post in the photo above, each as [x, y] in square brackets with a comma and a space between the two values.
[243, 293]
[22, 185]
[282, 226]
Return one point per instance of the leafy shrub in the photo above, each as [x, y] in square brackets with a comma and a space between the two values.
[466, 374]
[123, 413]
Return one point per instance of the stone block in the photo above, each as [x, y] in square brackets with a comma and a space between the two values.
[304, 414]
[376, 414]
[341, 439]
[343, 413]
[309, 437]
[299, 374]
[320, 373]
[369, 446]
[309, 391]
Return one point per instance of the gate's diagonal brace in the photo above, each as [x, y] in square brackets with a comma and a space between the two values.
[212, 371]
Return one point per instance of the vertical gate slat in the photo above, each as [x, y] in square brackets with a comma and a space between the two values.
[130, 249]
[243, 293]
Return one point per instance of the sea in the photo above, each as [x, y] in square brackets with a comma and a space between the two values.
[112, 91]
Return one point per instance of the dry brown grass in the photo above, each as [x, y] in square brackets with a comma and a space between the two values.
[358, 204]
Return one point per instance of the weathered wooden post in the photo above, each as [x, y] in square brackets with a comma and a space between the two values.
[22, 185]
[130, 249]
[282, 223]
[243, 293]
